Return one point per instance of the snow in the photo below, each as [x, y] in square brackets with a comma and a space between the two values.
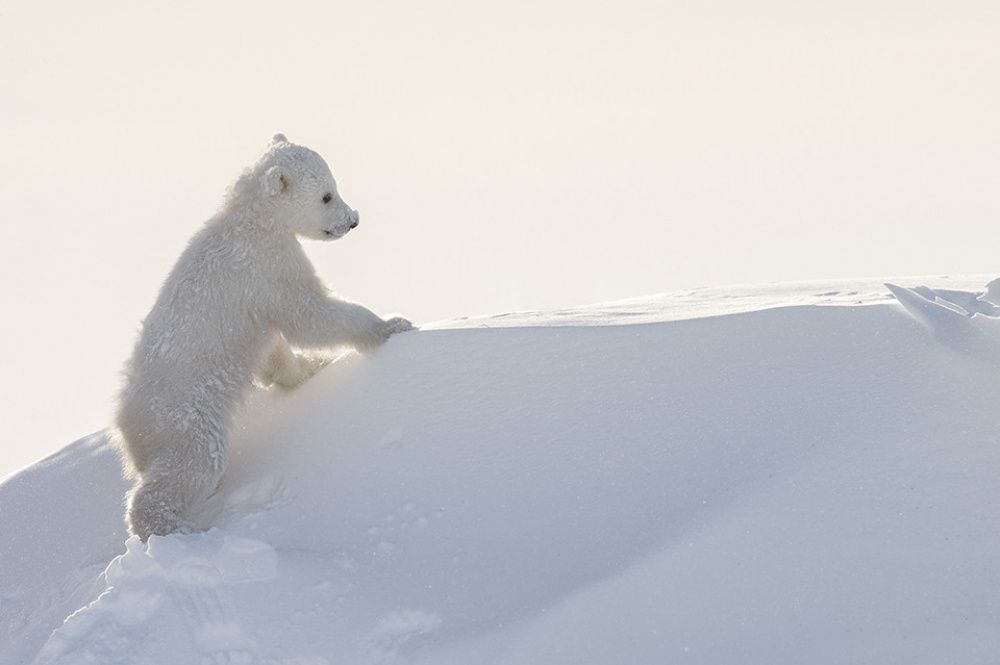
[796, 473]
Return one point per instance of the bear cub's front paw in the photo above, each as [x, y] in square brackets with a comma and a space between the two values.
[397, 324]
[382, 331]
[377, 335]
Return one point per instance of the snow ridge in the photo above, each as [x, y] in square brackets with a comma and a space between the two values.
[804, 483]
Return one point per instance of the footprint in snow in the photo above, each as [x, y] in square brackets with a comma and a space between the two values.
[400, 634]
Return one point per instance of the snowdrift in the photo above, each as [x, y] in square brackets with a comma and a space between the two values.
[804, 474]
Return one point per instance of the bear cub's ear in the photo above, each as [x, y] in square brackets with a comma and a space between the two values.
[275, 181]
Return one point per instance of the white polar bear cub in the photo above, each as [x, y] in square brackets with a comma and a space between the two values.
[239, 295]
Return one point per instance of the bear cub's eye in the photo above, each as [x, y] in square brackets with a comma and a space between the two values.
[327, 197]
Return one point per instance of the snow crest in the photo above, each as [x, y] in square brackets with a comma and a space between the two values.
[810, 481]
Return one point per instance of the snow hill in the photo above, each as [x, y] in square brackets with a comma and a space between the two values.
[800, 473]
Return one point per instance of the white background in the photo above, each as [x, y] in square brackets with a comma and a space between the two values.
[504, 156]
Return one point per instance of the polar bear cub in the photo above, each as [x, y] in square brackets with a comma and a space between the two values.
[240, 296]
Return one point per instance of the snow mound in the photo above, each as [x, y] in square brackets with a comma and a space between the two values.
[790, 483]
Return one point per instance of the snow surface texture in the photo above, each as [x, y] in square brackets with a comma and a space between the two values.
[801, 484]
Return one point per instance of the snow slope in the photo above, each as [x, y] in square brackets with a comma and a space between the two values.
[806, 476]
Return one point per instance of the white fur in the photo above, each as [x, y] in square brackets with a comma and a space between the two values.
[241, 293]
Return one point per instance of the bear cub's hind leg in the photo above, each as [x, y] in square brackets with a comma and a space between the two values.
[166, 492]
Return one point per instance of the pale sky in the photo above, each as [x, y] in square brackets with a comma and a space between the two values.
[504, 156]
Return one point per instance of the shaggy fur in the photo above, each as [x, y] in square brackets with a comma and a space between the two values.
[241, 294]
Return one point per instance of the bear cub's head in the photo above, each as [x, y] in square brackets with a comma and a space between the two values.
[302, 193]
